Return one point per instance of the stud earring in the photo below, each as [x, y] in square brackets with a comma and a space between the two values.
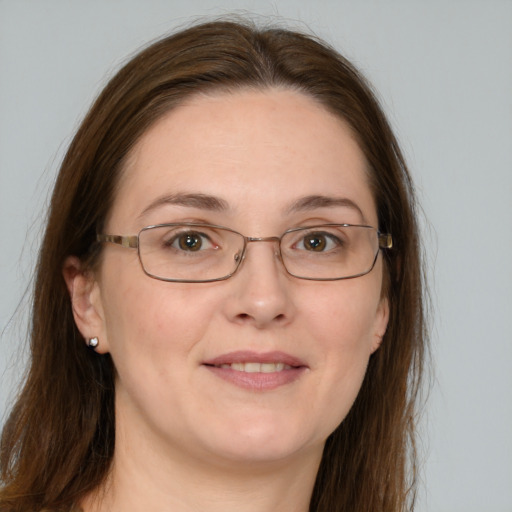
[93, 343]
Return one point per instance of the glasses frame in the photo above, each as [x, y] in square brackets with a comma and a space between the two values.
[132, 242]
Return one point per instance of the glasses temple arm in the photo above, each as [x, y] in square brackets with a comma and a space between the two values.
[385, 241]
[125, 241]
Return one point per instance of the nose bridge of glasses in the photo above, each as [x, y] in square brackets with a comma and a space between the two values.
[275, 239]
[263, 239]
[241, 254]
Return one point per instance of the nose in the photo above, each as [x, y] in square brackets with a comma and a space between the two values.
[261, 287]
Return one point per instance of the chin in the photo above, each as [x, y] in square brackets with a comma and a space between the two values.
[264, 442]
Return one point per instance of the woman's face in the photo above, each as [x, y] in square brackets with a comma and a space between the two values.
[257, 156]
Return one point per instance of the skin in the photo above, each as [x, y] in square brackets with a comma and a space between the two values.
[187, 439]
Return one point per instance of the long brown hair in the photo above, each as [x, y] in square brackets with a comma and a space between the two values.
[58, 442]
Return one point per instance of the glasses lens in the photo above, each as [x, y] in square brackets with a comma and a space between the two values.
[330, 251]
[192, 252]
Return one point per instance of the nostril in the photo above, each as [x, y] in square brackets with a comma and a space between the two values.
[246, 317]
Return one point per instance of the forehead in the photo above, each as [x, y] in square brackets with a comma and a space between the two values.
[255, 150]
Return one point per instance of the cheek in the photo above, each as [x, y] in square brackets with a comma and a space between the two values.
[343, 326]
[345, 314]
[154, 340]
[154, 317]
[149, 323]
[346, 336]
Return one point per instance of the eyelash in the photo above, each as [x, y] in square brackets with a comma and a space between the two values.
[336, 241]
[190, 233]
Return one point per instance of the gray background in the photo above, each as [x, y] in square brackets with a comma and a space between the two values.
[444, 73]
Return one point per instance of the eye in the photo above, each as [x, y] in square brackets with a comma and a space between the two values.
[318, 242]
[190, 241]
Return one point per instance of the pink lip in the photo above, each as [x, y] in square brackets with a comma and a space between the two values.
[248, 356]
[257, 381]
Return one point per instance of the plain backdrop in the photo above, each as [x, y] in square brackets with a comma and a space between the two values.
[443, 70]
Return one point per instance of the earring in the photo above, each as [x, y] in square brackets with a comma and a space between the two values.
[93, 343]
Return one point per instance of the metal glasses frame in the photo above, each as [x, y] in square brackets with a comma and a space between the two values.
[132, 242]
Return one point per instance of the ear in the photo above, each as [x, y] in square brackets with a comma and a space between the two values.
[381, 323]
[85, 297]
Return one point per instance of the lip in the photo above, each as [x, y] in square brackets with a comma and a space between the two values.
[257, 381]
[249, 356]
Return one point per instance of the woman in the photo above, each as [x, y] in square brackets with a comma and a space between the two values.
[228, 307]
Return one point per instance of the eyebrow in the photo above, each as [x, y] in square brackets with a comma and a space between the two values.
[214, 203]
[317, 201]
[200, 201]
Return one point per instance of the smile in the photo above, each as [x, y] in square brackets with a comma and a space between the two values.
[257, 371]
[257, 367]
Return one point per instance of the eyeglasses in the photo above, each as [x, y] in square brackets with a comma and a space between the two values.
[202, 253]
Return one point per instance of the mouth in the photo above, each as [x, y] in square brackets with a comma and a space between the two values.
[257, 371]
[251, 367]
